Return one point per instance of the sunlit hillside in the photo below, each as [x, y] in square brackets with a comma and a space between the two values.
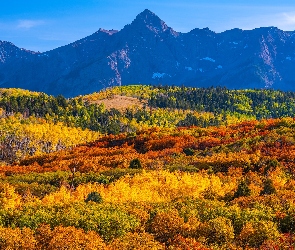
[185, 169]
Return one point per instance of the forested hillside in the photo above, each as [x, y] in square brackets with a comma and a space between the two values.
[182, 168]
[161, 106]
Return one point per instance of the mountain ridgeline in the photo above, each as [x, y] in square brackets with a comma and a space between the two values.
[147, 51]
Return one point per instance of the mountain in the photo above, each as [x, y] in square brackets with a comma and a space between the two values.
[148, 51]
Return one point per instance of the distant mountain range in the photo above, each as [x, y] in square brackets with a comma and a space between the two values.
[147, 51]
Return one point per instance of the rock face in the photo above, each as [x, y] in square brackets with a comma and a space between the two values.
[147, 51]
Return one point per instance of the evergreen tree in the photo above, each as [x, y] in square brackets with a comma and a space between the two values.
[243, 190]
[268, 187]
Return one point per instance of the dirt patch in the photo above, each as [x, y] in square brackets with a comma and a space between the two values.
[121, 102]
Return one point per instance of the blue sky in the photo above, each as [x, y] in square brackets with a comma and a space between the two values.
[47, 24]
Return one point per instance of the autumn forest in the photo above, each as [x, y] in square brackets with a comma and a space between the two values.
[172, 168]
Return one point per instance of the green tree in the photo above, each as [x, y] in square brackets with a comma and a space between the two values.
[243, 190]
[135, 164]
[268, 187]
[95, 197]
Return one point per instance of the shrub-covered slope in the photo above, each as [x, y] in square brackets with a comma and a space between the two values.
[156, 182]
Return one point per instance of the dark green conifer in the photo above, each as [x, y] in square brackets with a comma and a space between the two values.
[135, 164]
[243, 190]
[268, 187]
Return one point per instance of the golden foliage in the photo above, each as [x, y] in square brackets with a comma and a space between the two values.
[21, 137]
[166, 225]
[181, 243]
[68, 238]
[136, 241]
[8, 198]
[17, 239]
[253, 234]
[218, 230]
[64, 238]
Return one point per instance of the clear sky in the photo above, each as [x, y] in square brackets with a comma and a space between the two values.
[42, 25]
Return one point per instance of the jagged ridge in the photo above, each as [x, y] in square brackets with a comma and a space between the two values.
[148, 51]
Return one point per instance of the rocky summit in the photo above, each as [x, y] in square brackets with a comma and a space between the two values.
[147, 51]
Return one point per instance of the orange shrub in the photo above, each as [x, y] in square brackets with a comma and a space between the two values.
[142, 241]
[64, 238]
[166, 225]
[181, 243]
[17, 239]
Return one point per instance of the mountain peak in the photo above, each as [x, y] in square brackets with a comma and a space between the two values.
[148, 18]
[147, 14]
[151, 21]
